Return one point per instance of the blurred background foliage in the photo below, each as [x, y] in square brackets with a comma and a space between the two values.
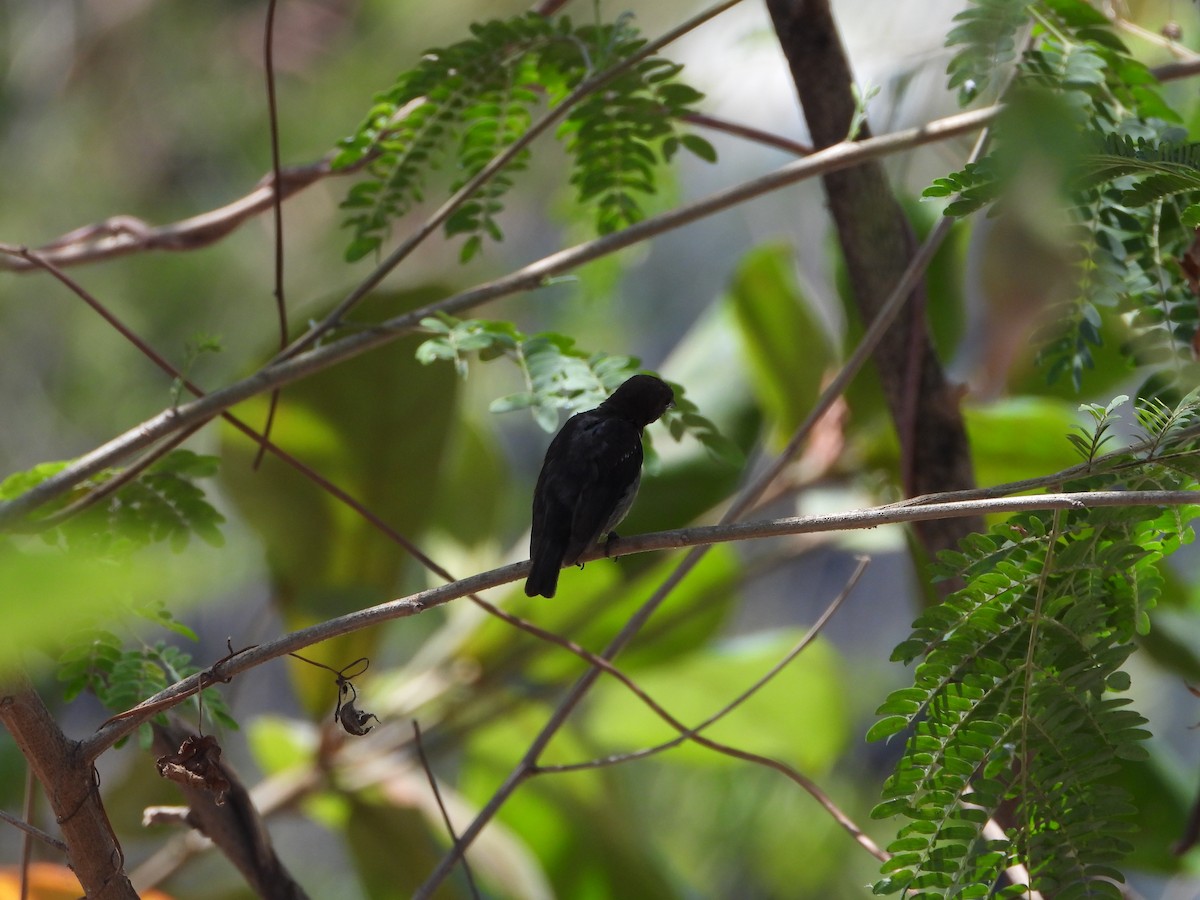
[157, 110]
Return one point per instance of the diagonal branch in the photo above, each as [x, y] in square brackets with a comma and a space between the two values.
[534, 275]
[415, 604]
[128, 235]
[487, 173]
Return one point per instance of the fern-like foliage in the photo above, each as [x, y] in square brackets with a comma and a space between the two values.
[98, 661]
[1134, 198]
[1090, 441]
[463, 105]
[163, 504]
[986, 35]
[558, 375]
[1015, 715]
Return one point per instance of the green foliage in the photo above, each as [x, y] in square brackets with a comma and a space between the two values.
[1014, 711]
[120, 678]
[162, 504]
[1090, 441]
[463, 105]
[973, 188]
[987, 33]
[1133, 183]
[558, 375]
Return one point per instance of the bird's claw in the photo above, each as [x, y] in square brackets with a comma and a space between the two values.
[612, 536]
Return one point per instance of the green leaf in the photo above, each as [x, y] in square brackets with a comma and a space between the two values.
[698, 146]
[775, 320]
[798, 717]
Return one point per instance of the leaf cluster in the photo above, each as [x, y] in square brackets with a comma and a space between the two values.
[1015, 713]
[96, 660]
[558, 374]
[1131, 183]
[162, 504]
[463, 105]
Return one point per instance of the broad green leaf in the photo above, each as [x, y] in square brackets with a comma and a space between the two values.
[799, 717]
[785, 344]
[1043, 425]
[593, 603]
[377, 427]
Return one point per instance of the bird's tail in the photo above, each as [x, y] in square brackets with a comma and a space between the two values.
[543, 573]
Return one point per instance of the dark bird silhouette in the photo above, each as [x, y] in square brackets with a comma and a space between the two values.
[590, 477]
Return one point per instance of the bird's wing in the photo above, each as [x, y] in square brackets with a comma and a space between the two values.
[606, 460]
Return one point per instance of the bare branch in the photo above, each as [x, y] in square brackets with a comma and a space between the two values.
[127, 235]
[437, 796]
[72, 788]
[531, 276]
[693, 734]
[33, 831]
[415, 604]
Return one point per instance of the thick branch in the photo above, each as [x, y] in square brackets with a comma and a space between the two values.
[70, 783]
[235, 827]
[877, 243]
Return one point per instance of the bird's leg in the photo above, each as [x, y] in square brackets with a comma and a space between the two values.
[612, 536]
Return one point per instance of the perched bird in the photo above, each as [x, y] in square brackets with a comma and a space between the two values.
[590, 477]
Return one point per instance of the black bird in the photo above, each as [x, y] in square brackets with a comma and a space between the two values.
[590, 477]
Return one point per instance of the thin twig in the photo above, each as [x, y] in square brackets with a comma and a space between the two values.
[750, 133]
[124, 235]
[688, 733]
[415, 604]
[693, 733]
[159, 360]
[834, 158]
[277, 215]
[26, 837]
[33, 831]
[437, 796]
[890, 309]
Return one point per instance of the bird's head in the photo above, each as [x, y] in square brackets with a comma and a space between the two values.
[642, 399]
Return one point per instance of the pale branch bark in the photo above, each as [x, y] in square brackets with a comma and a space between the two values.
[877, 243]
[531, 276]
[893, 514]
[125, 235]
[71, 784]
